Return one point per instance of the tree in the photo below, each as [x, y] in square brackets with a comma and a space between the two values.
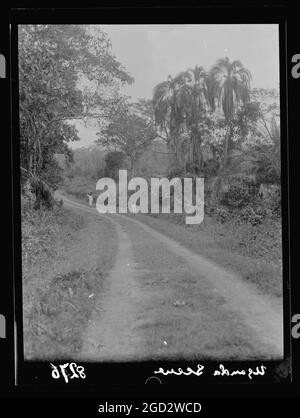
[63, 70]
[195, 101]
[128, 132]
[263, 156]
[267, 102]
[260, 118]
[87, 163]
[167, 115]
[182, 108]
[233, 88]
[114, 161]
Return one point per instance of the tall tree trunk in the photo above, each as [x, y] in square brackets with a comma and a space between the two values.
[228, 138]
[173, 150]
[29, 163]
[195, 158]
[132, 167]
[171, 153]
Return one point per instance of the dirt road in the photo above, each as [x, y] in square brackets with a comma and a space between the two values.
[161, 300]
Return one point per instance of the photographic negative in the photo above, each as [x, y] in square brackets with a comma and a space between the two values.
[125, 258]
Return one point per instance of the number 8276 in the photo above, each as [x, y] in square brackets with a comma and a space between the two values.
[68, 371]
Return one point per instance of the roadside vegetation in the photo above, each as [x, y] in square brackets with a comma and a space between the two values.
[66, 73]
[64, 269]
[252, 252]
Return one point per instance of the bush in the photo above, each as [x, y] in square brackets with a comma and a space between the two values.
[209, 206]
[249, 215]
[272, 200]
[175, 172]
[238, 194]
[222, 214]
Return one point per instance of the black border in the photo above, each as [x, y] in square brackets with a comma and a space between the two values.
[231, 14]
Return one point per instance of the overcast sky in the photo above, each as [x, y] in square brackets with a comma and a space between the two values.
[152, 52]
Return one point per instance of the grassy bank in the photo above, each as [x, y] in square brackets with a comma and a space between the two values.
[253, 252]
[66, 257]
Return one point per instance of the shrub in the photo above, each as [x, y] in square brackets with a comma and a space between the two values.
[209, 207]
[222, 214]
[272, 200]
[238, 194]
[249, 215]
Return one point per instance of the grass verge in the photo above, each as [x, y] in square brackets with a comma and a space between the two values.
[252, 252]
[66, 257]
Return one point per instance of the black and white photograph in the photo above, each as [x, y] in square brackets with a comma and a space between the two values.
[150, 189]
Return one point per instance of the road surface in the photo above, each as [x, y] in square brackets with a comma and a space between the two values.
[161, 300]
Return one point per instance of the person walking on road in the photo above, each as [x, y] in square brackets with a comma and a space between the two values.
[91, 198]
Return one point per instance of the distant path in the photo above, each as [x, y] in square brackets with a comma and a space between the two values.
[225, 309]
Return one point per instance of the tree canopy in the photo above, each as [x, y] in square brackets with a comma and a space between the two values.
[128, 131]
[66, 72]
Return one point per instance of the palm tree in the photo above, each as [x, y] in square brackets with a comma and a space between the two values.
[191, 98]
[167, 113]
[196, 97]
[182, 103]
[233, 87]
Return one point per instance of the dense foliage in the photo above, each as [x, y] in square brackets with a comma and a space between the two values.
[129, 131]
[218, 127]
[66, 72]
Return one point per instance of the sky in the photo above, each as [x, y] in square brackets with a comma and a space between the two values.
[152, 52]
